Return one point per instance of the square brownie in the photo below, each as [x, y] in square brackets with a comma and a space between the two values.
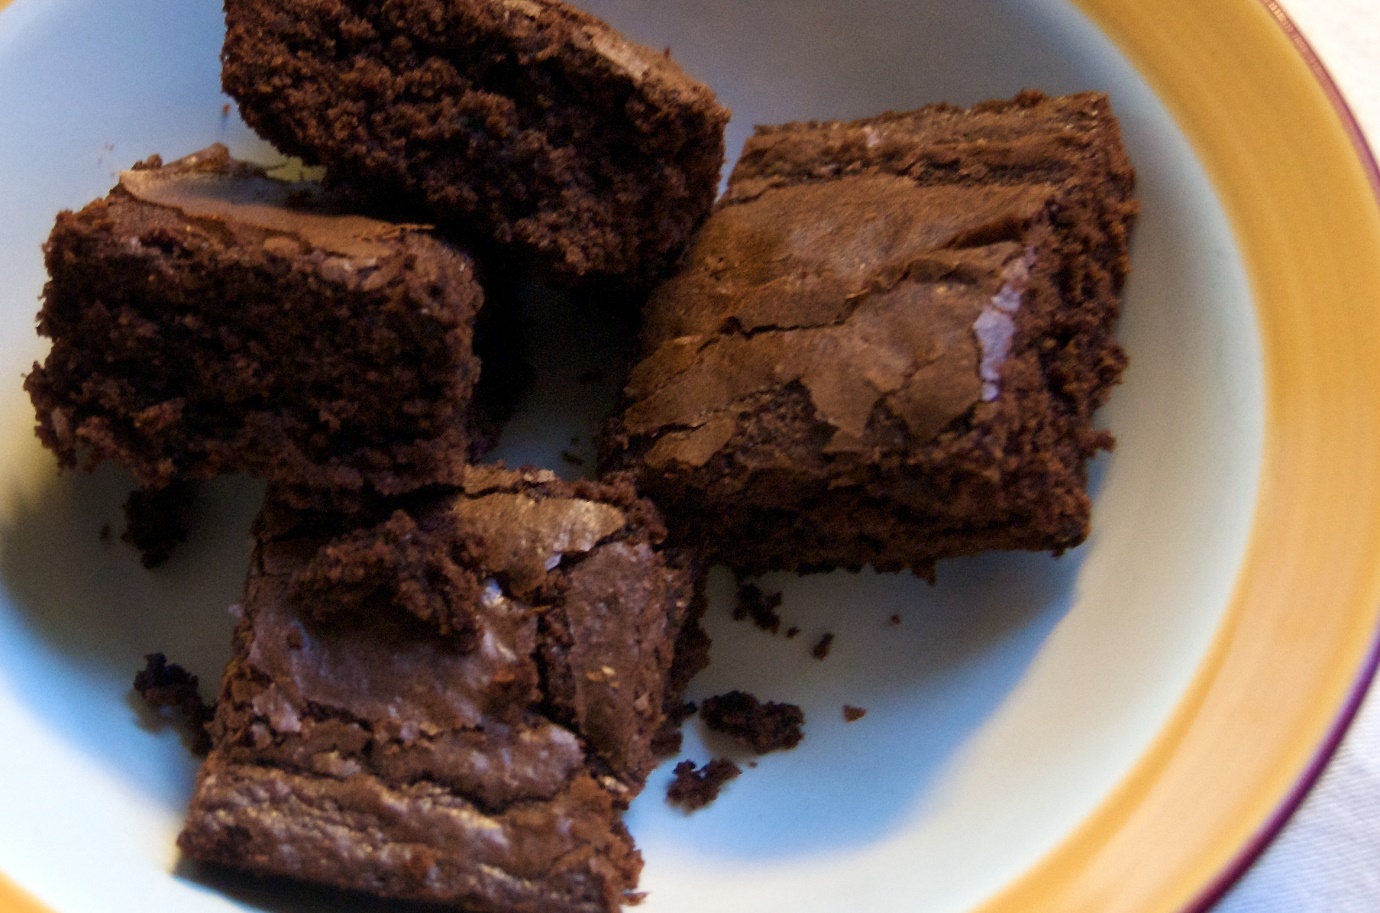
[886, 344]
[529, 122]
[454, 701]
[207, 318]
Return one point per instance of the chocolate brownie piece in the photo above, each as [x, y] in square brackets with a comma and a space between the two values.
[206, 319]
[452, 704]
[693, 788]
[529, 121]
[761, 725]
[886, 345]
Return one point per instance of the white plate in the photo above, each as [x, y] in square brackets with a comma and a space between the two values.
[1005, 707]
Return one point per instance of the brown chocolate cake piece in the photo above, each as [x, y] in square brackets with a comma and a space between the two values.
[529, 122]
[207, 318]
[452, 703]
[693, 788]
[763, 726]
[886, 344]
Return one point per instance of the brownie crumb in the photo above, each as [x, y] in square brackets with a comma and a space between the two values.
[693, 789]
[792, 632]
[167, 686]
[571, 458]
[765, 726]
[157, 520]
[894, 620]
[821, 649]
[759, 606]
[852, 714]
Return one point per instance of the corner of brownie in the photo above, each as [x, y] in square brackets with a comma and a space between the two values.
[886, 344]
[467, 721]
[206, 318]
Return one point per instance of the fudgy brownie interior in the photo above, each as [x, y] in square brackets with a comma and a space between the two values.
[206, 319]
[529, 122]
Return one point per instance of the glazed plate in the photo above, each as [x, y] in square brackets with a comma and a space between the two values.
[1114, 731]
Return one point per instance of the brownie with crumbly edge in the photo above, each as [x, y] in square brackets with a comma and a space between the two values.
[207, 318]
[530, 122]
[886, 345]
[453, 702]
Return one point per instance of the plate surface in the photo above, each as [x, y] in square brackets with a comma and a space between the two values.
[1109, 731]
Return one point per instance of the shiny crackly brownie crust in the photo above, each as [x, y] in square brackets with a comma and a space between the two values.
[528, 122]
[452, 702]
[208, 319]
[886, 344]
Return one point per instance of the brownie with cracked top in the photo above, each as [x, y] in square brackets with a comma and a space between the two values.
[207, 318]
[452, 702]
[528, 122]
[886, 344]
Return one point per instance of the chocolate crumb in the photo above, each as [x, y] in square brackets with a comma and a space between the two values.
[571, 458]
[157, 520]
[764, 727]
[167, 686]
[693, 789]
[895, 619]
[852, 714]
[821, 649]
[105, 532]
[758, 606]
[792, 632]
[225, 110]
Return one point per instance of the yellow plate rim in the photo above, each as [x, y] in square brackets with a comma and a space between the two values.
[1148, 848]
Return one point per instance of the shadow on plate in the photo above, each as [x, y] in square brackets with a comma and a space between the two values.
[930, 665]
[78, 613]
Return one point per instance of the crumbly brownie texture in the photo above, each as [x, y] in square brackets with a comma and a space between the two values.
[167, 686]
[157, 520]
[886, 344]
[762, 725]
[528, 121]
[694, 789]
[762, 608]
[208, 319]
[453, 705]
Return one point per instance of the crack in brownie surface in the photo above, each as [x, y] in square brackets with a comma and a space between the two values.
[886, 344]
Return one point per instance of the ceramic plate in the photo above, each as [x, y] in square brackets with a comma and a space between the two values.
[1114, 730]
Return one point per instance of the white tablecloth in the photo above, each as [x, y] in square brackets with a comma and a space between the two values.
[1327, 860]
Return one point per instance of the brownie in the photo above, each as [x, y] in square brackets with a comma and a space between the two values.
[207, 318]
[693, 789]
[763, 726]
[528, 122]
[887, 343]
[167, 687]
[452, 704]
